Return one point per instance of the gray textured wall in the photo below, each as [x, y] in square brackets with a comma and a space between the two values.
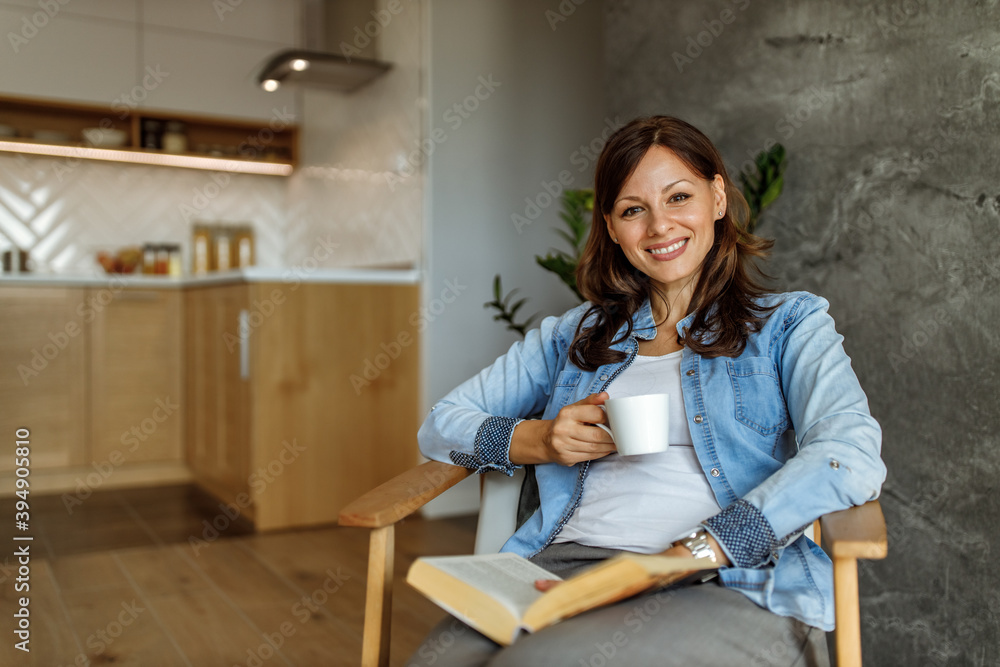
[890, 112]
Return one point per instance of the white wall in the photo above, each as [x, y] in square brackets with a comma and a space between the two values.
[549, 100]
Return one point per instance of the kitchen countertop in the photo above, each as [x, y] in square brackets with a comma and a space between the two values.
[250, 275]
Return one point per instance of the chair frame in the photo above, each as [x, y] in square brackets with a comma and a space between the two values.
[847, 535]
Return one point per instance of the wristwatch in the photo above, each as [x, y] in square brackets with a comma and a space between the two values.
[698, 543]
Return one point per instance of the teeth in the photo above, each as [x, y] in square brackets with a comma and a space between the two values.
[669, 248]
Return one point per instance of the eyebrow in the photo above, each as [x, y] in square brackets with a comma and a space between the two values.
[665, 189]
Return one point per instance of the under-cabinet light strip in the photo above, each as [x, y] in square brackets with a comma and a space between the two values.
[157, 159]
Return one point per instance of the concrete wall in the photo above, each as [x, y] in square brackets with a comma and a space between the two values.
[891, 209]
[513, 95]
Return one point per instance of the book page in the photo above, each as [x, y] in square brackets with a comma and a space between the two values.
[507, 577]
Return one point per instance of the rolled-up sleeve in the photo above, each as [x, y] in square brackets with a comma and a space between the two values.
[837, 463]
[491, 447]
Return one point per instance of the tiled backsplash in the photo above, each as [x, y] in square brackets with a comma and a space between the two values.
[347, 192]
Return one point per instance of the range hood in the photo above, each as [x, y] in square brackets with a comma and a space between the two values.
[316, 65]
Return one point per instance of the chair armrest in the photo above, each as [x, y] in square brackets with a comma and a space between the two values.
[402, 495]
[857, 532]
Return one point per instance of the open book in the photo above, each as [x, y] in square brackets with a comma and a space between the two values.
[495, 593]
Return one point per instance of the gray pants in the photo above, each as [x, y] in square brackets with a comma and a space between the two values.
[698, 625]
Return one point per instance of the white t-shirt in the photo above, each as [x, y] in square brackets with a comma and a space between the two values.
[643, 503]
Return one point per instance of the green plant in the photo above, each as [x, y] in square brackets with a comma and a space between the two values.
[760, 189]
[507, 311]
[577, 208]
[763, 187]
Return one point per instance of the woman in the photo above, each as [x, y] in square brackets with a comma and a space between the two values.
[769, 427]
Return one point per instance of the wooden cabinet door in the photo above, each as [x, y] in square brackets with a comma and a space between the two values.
[232, 427]
[198, 386]
[217, 75]
[137, 405]
[73, 57]
[43, 339]
[218, 393]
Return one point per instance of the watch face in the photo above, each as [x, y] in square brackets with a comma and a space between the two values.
[700, 548]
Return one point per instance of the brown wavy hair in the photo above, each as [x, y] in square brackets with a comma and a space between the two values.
[726, 298]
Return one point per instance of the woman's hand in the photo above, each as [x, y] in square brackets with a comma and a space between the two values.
[544, 585]
[720, 556]
[568, 439]
[678, 551]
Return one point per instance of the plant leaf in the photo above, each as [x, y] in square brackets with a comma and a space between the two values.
[772, 193]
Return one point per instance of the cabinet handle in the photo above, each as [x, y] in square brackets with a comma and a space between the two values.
[243, 327]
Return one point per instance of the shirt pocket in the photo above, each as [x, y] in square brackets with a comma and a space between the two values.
[757, 392]
[564, 391]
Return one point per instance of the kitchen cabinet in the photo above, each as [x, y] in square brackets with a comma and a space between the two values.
[137, 405]
[285, 400]
[214, 76]
[95, 374]
[262, 20]
[217, 441]
[43, 345]
[66, 56]
[98, 52]
[301, 396]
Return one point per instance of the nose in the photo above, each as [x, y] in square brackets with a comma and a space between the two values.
[658, 223]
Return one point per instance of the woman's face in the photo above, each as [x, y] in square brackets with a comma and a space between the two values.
[664, 219]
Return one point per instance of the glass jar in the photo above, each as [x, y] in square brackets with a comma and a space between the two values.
[174, 139]
[148, 259]
[152, 133]
[223, 249]
[243, 246]
[174, 267]
[201, 253]
[162, 260]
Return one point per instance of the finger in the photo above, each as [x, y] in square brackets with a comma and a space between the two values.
[546, 584]
[593, 399]
[583, 414]
[586, 430]
[583, 437]
[596, 436]
[586, 450]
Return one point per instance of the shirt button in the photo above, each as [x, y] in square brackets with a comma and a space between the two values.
[604, 377]
[690, 372]
[834, 463]
[698, 419]
[715, 472]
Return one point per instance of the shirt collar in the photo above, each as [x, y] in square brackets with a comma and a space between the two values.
[644, 327]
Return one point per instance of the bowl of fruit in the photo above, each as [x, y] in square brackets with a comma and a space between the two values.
[125, 260]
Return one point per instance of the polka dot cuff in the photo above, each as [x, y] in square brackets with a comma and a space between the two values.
[744, 532]
[492, 447]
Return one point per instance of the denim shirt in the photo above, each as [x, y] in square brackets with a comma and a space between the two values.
[783, 433]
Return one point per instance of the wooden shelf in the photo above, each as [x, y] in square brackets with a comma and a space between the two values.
[220, 144]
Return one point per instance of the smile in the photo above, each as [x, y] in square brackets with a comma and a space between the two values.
[669, 248]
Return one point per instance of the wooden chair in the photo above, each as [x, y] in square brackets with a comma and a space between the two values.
[858, 532]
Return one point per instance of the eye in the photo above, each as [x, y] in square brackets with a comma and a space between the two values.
[679, 197]
[630, 211]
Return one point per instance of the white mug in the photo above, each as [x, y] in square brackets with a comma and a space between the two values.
[639, 424]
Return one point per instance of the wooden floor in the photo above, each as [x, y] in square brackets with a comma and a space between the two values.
[120, 582]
